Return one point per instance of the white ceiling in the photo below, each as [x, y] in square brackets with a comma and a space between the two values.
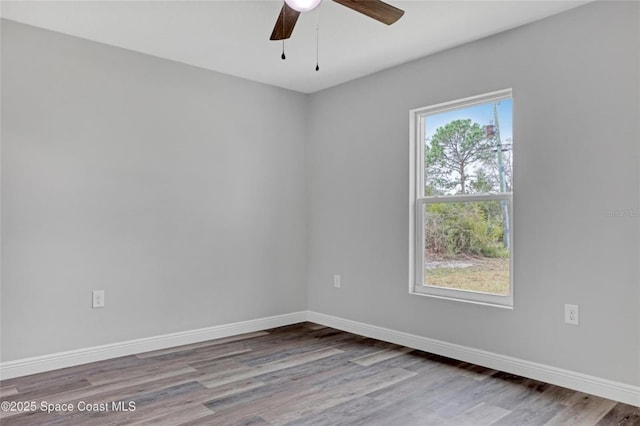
[233, 36]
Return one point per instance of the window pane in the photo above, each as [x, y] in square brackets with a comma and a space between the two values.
[468, 150]
[466, 246]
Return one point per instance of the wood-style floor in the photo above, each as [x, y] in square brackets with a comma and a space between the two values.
[303, 374]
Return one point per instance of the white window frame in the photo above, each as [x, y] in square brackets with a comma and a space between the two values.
[418, 201]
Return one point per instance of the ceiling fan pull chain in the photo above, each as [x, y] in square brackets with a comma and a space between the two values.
[317, 38]
[284, 18]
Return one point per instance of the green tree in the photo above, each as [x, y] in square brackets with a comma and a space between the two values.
[457, 150]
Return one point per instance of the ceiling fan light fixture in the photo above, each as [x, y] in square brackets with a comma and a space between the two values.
[303, 5]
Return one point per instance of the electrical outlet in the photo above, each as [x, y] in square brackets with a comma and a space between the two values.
[337, 281]
[571, 314]
[98, 299]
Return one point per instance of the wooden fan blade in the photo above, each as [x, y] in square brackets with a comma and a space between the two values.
[285, 23]
[376, 9]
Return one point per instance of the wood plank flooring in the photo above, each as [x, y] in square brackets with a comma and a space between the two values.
[304, 374]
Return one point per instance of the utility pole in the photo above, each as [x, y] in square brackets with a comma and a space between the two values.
[503, 187]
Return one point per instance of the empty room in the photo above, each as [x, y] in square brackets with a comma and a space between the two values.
[320, 212]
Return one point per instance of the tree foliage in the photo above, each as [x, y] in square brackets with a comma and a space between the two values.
[462, 159]
[456, 152]
[473, 229]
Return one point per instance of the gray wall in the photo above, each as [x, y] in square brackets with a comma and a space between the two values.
[178, 191]
[576, 95]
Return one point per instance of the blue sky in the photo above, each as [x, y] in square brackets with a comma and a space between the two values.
[481, 114]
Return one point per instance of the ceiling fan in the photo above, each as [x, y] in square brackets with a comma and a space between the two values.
[376, 9]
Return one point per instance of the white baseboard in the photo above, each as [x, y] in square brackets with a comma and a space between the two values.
[39, 364]
[569, 379]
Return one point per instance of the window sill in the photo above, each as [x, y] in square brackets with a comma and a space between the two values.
[447, 294]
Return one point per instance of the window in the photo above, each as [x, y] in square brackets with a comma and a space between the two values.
[461, 206]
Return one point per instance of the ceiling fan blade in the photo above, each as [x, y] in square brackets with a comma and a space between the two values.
[285, 23]
[376, 9]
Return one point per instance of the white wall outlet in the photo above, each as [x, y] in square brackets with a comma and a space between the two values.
[98, 299]
[337, 281]
[571, 314]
